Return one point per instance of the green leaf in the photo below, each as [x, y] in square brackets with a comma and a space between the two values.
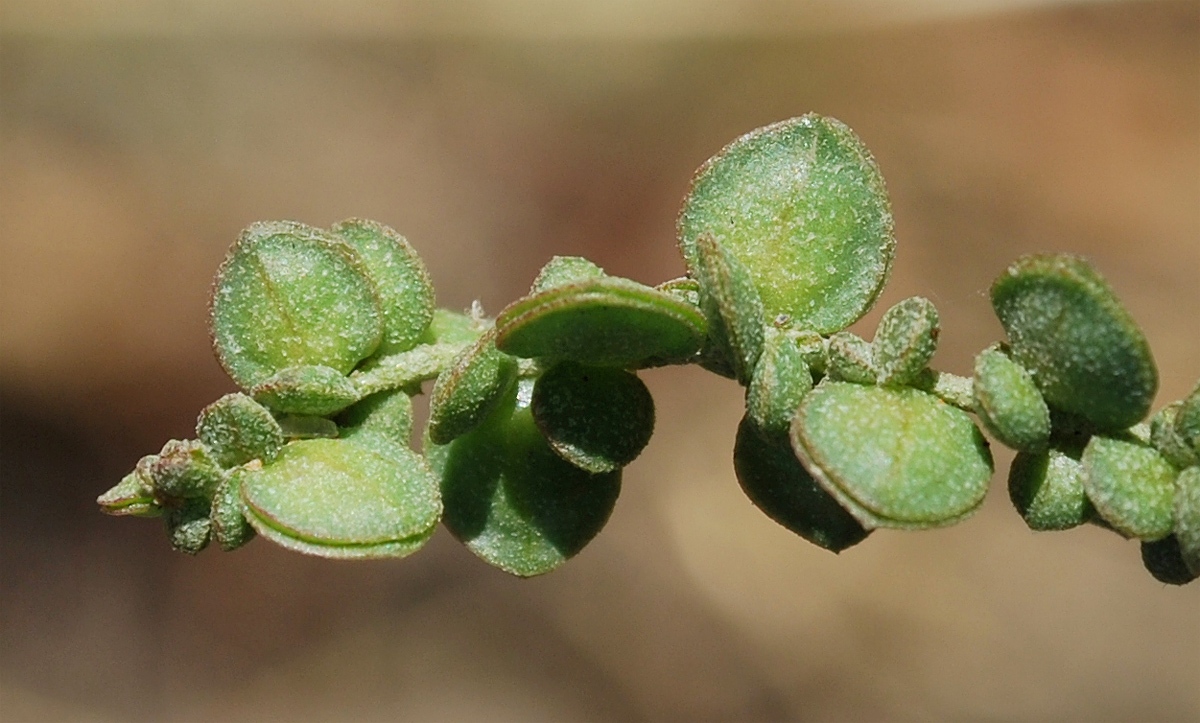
[229, 526]
[185, 469]
[1085, 352]
[597, 418]
[1165, 562]
[343, 499]
[1131, 485]
[388, 413]
[905, 341]
[605, 322]
[1187, 421]
[315, 390]
[732, 305]
[893, 457]
[134, 494]
[563, 271]
[1187, 517]
[238, 429]
[1046, 487]
[466, 392]
[188, 526]
[452, 327]
[850, 359]
[802, 205]
[1008, 401]
[776, 482]
[1166, 438]
[781, 379]
[512, 500]
[292, 295]
[400, 279]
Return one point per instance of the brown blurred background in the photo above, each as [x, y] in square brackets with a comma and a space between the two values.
[137, 138]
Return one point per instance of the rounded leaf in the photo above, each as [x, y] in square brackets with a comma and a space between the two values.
[185, 469]
[606, 322]
[512, 500]
[400, 278]
[565, 270]
[905, 341]
[597, 418]
[452, 327]
[775, 481]
[1131, 485]
[189, 528]
[732, 305]
[292, 295]
[388, 413]
[1046, 487]
[1187, 517]
[850, 359]
[1164, 560]
[802, 205]
[229, 526]
[1008, 401]
[781, 379]
[314, 390]
[466, 392]
[238, 429]
[892, 457]
[1166, 437]
[339, 498]
[1085, 352]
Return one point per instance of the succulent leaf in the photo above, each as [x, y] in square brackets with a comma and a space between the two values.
[802, 205]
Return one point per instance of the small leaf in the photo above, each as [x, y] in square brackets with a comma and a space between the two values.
[563, 271]
[469, 389]
[339, 498]
[514, 502]
[781, 379]
[597, 418]
[1008, 401]
[229, 526]
[451, 327]
[778, 484]
[802, 205]
[1085, 352]
[188, 526]
[400, 278]
[605, 322]
[292, 295]
[238, 429]
[185, 469]
[1046, 487]
[1131, 485]
[893, 457]
[1165, 436]
[1165, 562]
[732, 305]
[405, 370]
[315, 390]
[1187, 421]
[905, 341]
[388, 413]
[850, 359]
[134, 494]
[1187, 517]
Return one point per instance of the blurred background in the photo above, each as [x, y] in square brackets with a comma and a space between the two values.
[138, 137]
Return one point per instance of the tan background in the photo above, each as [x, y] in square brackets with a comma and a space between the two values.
[137, 138]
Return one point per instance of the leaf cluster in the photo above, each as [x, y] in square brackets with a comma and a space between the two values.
[787, 234]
